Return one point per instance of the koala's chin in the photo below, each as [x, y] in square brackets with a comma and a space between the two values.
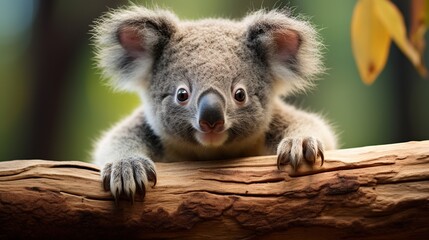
[211, 139]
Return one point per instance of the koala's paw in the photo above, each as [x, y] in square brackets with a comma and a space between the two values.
[127, 176]
[294, 150]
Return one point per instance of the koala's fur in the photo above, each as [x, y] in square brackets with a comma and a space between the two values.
[209, 62]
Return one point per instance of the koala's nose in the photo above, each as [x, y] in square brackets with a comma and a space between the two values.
[211, 112]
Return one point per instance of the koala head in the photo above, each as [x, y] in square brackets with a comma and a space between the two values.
[209, 82]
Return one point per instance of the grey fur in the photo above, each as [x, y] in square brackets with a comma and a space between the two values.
[267, 55]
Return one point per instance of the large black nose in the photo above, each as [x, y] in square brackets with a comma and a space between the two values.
[211, 106]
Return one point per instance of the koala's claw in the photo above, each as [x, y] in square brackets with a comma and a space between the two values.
[128, 176]
[105, 176]
[293, 150]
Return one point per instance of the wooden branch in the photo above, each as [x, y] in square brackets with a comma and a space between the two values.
[378, 192]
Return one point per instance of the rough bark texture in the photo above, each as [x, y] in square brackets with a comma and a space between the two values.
[378, 192]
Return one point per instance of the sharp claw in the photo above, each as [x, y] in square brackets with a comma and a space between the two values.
[106, 177]
[278, 162]
[143, 191]
[140, 188]
[285, 162]
[322, 156]
[295, 162]
[153, 177]
[106, 183]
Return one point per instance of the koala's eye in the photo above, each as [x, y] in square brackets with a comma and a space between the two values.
[240, 95]
[182, 95]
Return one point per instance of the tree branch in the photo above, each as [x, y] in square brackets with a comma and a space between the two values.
[377, 192]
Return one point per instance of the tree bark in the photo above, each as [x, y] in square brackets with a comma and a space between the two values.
[377, 192]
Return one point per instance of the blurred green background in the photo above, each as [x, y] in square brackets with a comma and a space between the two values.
[53, 104]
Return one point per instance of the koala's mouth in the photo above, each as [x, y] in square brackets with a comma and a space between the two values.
[211, 139]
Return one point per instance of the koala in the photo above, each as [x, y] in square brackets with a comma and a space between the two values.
[210, 89]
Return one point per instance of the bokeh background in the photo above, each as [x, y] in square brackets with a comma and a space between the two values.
[53, 104]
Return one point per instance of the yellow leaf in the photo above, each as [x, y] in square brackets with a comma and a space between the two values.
[419, 25]
[370, 40]
[393, 22]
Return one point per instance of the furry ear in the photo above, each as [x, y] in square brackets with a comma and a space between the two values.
[290, 47]
[128, 41]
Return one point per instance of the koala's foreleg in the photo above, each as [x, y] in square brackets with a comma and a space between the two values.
[125, 154]
[301, 136]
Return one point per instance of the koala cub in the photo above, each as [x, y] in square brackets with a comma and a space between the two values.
[210, 89]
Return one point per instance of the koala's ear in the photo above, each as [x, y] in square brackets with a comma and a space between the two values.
[128, 42]
[290, 47]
